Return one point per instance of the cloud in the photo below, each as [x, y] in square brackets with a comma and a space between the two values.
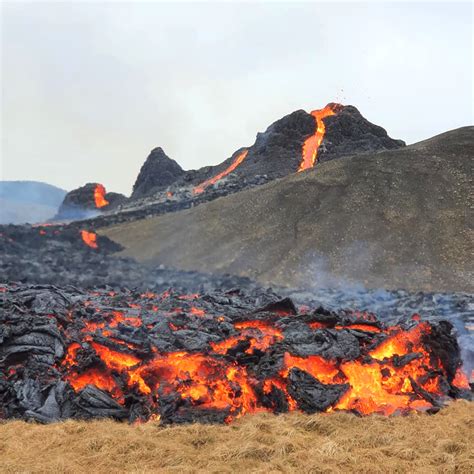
[90, 88]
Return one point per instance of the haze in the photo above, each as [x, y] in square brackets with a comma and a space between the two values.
[90, 88]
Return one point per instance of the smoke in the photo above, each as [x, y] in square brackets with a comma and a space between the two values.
[346, 287]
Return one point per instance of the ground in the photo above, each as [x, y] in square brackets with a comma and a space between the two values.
[329, 443]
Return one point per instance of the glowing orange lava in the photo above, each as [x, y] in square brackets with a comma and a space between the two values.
[312, 143]
[99, 196]
[201, 188]
[90, 239]
[397, 373]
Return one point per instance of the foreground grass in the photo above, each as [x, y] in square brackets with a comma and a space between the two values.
[338, 442]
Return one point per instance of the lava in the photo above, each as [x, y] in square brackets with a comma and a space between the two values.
[234, 361]
[90, 239]
[312, 143]
[99, 196]
[376, 383]
[238, 160]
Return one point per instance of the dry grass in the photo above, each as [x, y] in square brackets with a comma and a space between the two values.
[261, 443]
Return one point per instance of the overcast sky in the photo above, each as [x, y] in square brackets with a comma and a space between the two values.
[90, 88]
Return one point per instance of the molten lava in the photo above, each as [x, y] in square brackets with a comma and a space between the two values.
[99, 196]
[312, 143]
[190, 355]
[90, 239]
[238, 160]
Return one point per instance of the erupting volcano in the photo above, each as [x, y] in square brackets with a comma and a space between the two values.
[99, 196]
[312, 143]
[213, 358]
[238, 160]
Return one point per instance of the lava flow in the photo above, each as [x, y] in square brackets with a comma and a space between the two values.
[312, 143]
[90, 239]
[185, 358]
[99, 196]
[238, 160]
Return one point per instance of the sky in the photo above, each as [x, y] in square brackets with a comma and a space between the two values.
[89, 88]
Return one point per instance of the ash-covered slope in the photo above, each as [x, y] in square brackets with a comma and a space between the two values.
[395, 218]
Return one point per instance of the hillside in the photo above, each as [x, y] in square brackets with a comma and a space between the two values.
[28, 201]
[396, 218]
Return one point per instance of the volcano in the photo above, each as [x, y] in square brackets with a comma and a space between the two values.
[296, 142]
[87, 201]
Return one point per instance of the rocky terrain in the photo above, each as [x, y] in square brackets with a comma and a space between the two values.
[162, 186]
[390, 219]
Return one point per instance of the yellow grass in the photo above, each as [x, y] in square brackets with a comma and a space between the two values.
[261, 443]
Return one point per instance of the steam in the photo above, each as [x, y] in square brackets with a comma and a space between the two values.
[335, 292]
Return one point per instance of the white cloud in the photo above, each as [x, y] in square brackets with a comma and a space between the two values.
[90, 88]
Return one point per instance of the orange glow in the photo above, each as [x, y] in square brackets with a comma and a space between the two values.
[71, 354]
[99, 196]
[312, 143]
[260, 334]
[460, 380]
[323, 370]
[317, 325]
[203, 379]
[197, 311]
[114, 359]
[386, 379]
[119, 317]
[90, 239]
[94, 377]
[360, 327]
[241, 157]
[401, 342]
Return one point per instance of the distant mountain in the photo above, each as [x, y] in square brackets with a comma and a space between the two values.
[28, 201]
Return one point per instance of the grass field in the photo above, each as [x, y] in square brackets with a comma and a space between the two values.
[295, 442]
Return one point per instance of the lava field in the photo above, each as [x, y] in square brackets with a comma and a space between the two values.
[86, 333]
[71, 353]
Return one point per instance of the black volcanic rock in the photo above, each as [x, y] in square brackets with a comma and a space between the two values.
[157, 172]
[80, 203]
[114, 199]
[277, 152]
[349, 133]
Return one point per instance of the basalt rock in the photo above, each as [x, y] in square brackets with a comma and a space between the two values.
[158, 172]
[276, 153]
[349, 133]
